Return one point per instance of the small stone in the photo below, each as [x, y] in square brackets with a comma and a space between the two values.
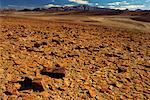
[104, 89]
[119, 85]
[18, 62]
[92, 92]
[111, 87]
[66, 82]
[122, 69]
[37, 45]
[1, 71]
[9, 77]
[99, 97]
[17, 86]
[45, 94]
[136, 81]
[126, 74]
[11, 90]
[87, 85]
[62, 88]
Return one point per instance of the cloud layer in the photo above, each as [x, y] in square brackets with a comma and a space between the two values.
[124, 5]
[119, 3]
[51, 5]
[80, 1]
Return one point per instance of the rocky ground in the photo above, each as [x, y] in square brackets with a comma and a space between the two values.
[58, 60]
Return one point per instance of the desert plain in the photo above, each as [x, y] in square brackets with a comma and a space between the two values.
[96, 57]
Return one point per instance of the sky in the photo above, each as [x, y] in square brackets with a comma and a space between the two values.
[114, 4]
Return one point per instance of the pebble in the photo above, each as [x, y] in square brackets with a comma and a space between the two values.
[1, 71]
[119, 85]
[92, 92]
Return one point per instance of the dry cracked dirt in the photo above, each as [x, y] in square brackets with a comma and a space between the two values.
[41, 60]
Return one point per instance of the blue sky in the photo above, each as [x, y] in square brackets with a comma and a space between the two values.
[115, 4]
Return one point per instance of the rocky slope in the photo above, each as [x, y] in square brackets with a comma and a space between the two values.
[52, 60]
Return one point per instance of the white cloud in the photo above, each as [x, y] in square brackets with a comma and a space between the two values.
[118, 3]
[79, 1]
[96, 4]
[134, 6]
[124, 5]
[102, 6]
[131, 7]
[51, 5]
[68, 5]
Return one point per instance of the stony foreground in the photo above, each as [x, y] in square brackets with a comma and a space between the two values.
[91, 62]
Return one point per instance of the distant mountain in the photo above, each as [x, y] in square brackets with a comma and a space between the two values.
[88, 10]
[84, 9]
[72, 8]
[80, 9]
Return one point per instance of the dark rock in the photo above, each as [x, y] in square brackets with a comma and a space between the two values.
[147, 66]
[57, 41]
[112, 55]
[44, 43]
[122, 69]
[56, 72]
[35, 84]
[37, 45]
[8, 93]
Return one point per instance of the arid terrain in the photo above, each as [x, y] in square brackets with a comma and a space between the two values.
[74, 57]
